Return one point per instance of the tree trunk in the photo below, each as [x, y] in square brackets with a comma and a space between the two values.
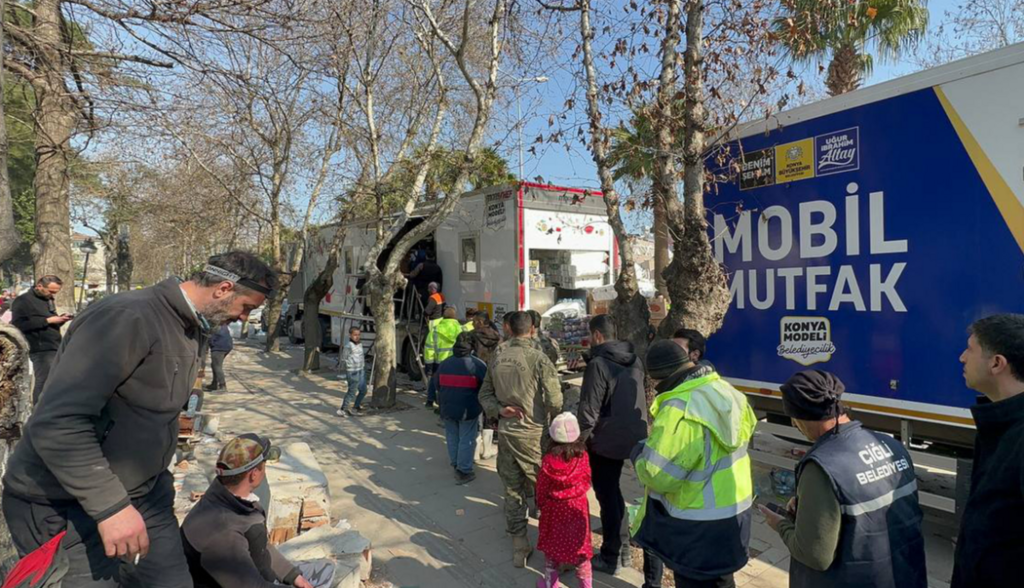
[700, 294]
[661, 246]
[630, 311]
[845, 71]
[15, 407]
[273, 310]
[109, 264]
[54, 123]
[384, 379]
[125, 263]
[8, 234]
[311, 312]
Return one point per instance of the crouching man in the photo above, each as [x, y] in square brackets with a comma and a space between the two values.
[225, 535]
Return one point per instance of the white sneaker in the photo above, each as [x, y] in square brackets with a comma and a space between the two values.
[341, 413]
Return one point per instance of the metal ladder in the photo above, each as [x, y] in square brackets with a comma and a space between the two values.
[355, 314]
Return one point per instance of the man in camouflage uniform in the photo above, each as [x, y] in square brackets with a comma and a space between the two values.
[522, 388]
[548, 345]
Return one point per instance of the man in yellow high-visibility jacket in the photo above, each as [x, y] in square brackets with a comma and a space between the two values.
[695, 471]
[439, 344]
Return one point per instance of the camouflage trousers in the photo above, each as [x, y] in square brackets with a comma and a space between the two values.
[518, 464]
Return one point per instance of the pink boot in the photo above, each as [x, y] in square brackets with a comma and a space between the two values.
[550, 579]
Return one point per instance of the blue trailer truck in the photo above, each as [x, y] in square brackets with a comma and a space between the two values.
[863, 234]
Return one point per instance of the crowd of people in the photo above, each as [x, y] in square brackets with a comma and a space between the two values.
[91, 470]
[855, 521]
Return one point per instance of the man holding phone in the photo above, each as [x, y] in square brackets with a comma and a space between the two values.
[35, 315]
[856, 520]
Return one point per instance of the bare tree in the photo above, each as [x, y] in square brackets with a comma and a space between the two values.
[73, 67]
[974, 27]
[455, 32]
[630, 309]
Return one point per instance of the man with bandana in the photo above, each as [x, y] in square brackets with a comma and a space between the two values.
[94, 456]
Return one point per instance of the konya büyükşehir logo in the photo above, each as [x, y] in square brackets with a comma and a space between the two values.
[806, 340]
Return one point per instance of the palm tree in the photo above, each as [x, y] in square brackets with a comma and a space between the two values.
[844, 31]
[632, 158]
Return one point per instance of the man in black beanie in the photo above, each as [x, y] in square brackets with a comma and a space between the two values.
[694, 465]
[858, 521]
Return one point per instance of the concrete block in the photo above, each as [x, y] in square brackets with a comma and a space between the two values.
[348, 572]
[331, 542]
[295, 482]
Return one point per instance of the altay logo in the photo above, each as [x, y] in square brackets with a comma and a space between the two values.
[837, 152]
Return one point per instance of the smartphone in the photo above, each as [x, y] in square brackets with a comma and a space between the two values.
[776, 508]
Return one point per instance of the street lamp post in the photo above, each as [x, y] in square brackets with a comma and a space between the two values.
[87, 247]
[519, 116]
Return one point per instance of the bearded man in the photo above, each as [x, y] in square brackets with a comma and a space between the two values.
[93, 460]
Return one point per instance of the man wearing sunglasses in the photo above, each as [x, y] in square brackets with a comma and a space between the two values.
[225, 535]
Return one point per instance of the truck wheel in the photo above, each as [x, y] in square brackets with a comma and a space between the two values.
[409, 361]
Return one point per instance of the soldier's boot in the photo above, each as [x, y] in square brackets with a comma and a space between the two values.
[521, 550]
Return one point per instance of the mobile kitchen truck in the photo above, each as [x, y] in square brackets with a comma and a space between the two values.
[863, 234]
[492, 250]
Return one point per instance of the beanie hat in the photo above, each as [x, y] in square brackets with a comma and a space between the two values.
[665, 358]
[565, 428]
[813, 395]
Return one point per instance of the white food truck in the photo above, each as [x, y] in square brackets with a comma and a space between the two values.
[504, 248]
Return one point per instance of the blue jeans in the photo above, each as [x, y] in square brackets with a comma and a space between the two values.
[355, 380]
[461, 443]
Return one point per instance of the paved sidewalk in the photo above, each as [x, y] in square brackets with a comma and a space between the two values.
[389, 476]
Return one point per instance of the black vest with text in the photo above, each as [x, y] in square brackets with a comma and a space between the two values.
[880, 540]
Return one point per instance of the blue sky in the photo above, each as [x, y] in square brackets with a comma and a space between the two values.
[575, 168]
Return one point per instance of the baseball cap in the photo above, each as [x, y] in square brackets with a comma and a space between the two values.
[244, 453]
[565, 428]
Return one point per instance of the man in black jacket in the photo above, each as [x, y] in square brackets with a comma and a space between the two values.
[990, 549]
[225, 535]
[613, 419]
[95, 452]
[35, 315]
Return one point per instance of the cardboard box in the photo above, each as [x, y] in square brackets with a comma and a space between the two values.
[658, 307]
[596, 307]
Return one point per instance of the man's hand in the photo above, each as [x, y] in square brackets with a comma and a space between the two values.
[60, 319]
[301, 582]
[791, 507]
[771, 518]
[512, 412]
[124, 534]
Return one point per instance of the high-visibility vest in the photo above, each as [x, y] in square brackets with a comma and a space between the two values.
[440, 340]
[695, 461]
[467, 327]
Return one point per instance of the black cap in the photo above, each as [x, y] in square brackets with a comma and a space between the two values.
[813, 395]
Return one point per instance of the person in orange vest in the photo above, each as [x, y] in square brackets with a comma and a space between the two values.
[435, 302]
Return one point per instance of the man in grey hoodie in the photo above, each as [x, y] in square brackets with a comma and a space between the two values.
[94, 457]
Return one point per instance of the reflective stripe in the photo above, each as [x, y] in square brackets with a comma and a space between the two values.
[663, 463]
[880, 502]
[667, 466]
[702, 514]
[677, 403]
